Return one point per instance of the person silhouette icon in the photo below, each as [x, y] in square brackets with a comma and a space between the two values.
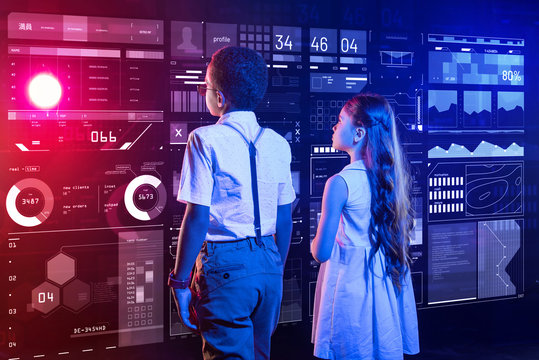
[187, 38]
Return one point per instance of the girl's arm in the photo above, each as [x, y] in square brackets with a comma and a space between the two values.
[333, 200]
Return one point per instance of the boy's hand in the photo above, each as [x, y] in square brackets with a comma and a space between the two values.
[182, 298]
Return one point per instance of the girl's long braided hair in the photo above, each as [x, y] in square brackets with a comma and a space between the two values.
[391, 213]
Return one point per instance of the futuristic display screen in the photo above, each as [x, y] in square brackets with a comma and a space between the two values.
[99, 110]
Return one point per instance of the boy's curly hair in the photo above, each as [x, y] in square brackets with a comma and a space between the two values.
[241, 74]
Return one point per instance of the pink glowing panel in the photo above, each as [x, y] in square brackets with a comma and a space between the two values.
[145, 197]
[45, 91]
[45, 297]
[29, 202]
[76, 295]
[82, 28]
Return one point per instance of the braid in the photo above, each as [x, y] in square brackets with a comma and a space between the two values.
[391, 217]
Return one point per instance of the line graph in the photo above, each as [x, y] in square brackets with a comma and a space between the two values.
[498, 242]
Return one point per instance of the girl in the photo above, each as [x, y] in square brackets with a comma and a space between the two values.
[364, 302]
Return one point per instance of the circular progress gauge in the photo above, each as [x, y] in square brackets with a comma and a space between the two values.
[29, 202]
[145, 197]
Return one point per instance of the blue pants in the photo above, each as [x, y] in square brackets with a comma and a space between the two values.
[238, 289]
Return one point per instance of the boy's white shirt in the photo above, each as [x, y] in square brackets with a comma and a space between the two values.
[216, 173]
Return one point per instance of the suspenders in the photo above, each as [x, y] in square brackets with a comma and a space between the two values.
[254, 182]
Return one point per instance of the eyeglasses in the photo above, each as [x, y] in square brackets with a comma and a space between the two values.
[202, 90]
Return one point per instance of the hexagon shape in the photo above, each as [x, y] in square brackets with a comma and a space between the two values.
[76, 295]
[61, 269]
[45, 297]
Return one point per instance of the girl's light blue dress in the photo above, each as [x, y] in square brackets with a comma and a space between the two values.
[358, 313]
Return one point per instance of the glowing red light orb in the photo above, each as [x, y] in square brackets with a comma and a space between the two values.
[45, 91]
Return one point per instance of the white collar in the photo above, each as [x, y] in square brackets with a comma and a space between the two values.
[243, 121]
[356, 165]
[237, 116]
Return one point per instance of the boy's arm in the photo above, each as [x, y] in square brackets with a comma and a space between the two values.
[283, 229]
[333, 201]
[192, 234]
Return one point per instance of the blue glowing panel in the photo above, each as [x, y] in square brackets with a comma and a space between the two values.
[477, 109]
[446, 67]
[494, 189]
[315, 211]
[323, 41]
[482, 40]
[452, 274]
[498, 243]
[442, 109]
[510, 109]
[322, 168]
[292, 301]
[286, 39]
[323, 59]
[446, 192]
[337, 83]
[220, 35]
[464, 147]
[324, 114]
[466, 190]
[404, 109]
[416, 236]
[396, 58]
[353, 42]
[256, 37]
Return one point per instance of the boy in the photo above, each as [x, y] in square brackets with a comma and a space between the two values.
[243, 226]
